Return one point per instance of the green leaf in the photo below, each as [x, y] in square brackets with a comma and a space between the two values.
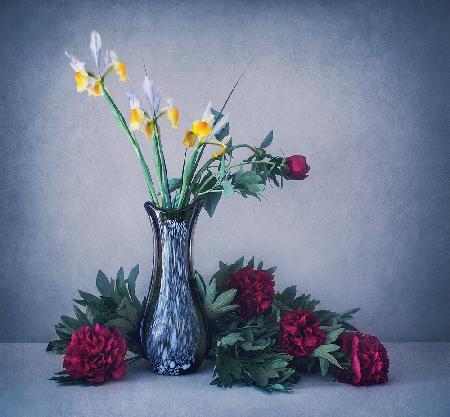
[221, 276]
[251, 262]
[210, 202]
[230, 339]
[201, 286]
[228, 189]
[271, 270]
[70, 322]
[267, 140]
[333, 335]
[258, 374]
[255, 188]
[121, 323]
[210, 294]
[224, 299]
[222, 310]
[174, 184]
[132, 276]
[260, 266]
[102, 283]
[89, 298]
[325, 348]
[121, 289]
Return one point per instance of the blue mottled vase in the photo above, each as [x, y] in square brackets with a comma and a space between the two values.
[173, 328]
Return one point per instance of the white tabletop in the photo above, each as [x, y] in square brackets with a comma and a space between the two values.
[419, 386]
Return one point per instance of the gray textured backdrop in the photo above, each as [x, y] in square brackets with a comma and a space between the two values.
[361, 88]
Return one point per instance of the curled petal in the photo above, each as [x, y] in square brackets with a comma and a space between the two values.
[135, 103]
[148, 129]
[221, 151]
[173, 114]
[96, 46]
[76, 65]
[207, 111]
[152, 94]
[121, 70]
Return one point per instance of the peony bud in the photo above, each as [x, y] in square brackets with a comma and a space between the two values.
[296, 167]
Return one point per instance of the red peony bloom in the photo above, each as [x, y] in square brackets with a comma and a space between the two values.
[370, 362]
[96, 354]
[300, 333]
[297, 168]
[255, 291]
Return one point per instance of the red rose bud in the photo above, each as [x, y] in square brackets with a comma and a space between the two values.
[296, 167]
[255, 291]
[300, 333]
[96, 354]
[369, 359]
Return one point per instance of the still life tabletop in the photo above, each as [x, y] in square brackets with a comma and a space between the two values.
[418, 387]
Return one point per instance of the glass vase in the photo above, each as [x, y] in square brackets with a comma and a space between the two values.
[173, 334]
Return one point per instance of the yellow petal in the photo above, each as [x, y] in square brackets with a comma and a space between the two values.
[222, 149]
[173, 115]
[189, 139]
[121, 70]
[148, 129]
[95, 90]
[136, 118]
[81, 81]
[201, 129]
[218, 153]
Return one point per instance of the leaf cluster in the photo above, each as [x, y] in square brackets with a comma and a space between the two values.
[117, 306]
[248, 352]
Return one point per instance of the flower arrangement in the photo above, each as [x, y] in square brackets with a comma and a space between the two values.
[208, 178]
[259, 337]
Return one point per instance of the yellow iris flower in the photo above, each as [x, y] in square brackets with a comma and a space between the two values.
[81, 81]
[201, 129]
[95, 90]
[121, 70]
[173, 115]
[189, 139]
[148, 129]
[136, 118]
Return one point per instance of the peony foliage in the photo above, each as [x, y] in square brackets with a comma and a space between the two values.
[286, 335]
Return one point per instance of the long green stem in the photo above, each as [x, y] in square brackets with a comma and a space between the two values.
[160, 163]
[212, 190]
[123, 124]
[186, 181]
[251, 162]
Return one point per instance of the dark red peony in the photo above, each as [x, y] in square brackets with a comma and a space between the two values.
[96, 354]
[300, 333]
[369, 359]
[255, 291]
[296, 167]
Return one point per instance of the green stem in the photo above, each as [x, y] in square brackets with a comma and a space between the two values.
[212, 190]
[250, 162]
[206, 182]
[187, 178]
[160, 163]
[123, 124]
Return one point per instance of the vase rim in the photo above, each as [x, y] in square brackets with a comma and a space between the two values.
[161, 210]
